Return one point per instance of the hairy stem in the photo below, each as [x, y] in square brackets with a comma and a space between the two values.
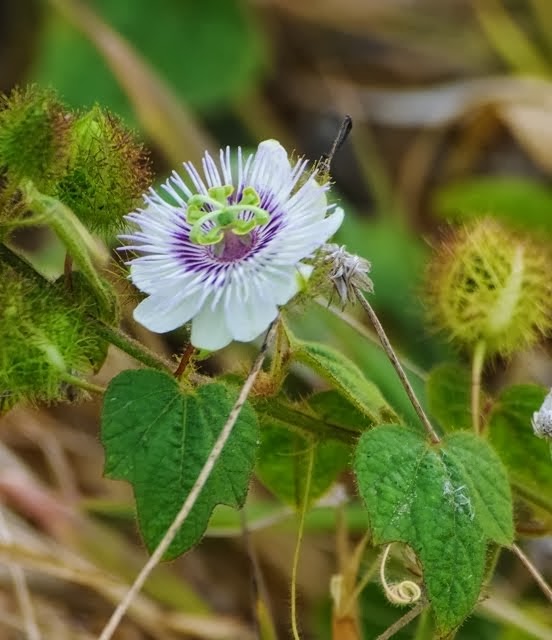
[477, 371]
[131, 346]
[389, 351]
[402, 622]
[190, 501]
[82, 384]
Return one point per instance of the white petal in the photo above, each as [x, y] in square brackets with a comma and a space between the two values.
[270, 170]
[158, 314]
[155, 274]
[209, 330]
[290, 248]
[308, 204]
[247, 319]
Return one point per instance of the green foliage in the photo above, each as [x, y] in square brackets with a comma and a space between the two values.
[34, 129]
[284, 462]
[520, 202]
[158, 438]
[220, 53]
[445, 501]
[345, 376]
[448, 391]
[526, 457]
[107, 171]
[324, 426]
[44, 337]
[332, 407]
[305, 420]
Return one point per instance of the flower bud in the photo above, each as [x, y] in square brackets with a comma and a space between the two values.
[34, 129]
[488, 285]
[42, 338]
[108, 172]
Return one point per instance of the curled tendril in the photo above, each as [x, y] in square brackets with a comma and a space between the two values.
[401, 593]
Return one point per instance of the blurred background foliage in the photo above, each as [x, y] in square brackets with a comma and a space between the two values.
[452, 110]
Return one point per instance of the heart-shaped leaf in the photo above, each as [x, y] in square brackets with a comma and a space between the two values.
[446, 501]
[158, 437]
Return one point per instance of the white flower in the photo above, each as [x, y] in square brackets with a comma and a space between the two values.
[226, 253]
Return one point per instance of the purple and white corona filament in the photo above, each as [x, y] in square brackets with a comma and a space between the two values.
[228, 252]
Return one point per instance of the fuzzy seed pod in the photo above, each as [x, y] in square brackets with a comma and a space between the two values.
[43, 339]
[34, 131]
[108, 172]
[487, 284]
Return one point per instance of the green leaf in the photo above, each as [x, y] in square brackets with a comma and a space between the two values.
[487, 481]
[345, 377]
[445, 501]
[158, 438]
[284, 461]
[448, 391]
[333, 408]
[208, 51]
[526, 457]
[523, 203]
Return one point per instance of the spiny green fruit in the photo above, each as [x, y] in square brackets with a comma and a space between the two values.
[487, 284]
[43, 338]
[34, 132]
[108, 171]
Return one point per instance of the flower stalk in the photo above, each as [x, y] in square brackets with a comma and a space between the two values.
[397, 366]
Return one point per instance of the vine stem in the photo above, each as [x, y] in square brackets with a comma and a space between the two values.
[389, 351]
[297, 552]
[82, 384]
[365, 332]
[477, 371]
[402, 622]
[190, 501]
[544, 587]
[132, 347]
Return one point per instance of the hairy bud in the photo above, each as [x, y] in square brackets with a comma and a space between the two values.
[487, 284]
[108, 172]
[43, 339]
[34, 129]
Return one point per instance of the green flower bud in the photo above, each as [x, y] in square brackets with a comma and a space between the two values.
[34, 130]
[108, 172]
[489, 285]
[44, 340]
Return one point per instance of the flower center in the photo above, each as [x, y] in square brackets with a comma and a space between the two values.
[223, 216]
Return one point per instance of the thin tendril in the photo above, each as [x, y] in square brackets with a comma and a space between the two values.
[294, 626]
